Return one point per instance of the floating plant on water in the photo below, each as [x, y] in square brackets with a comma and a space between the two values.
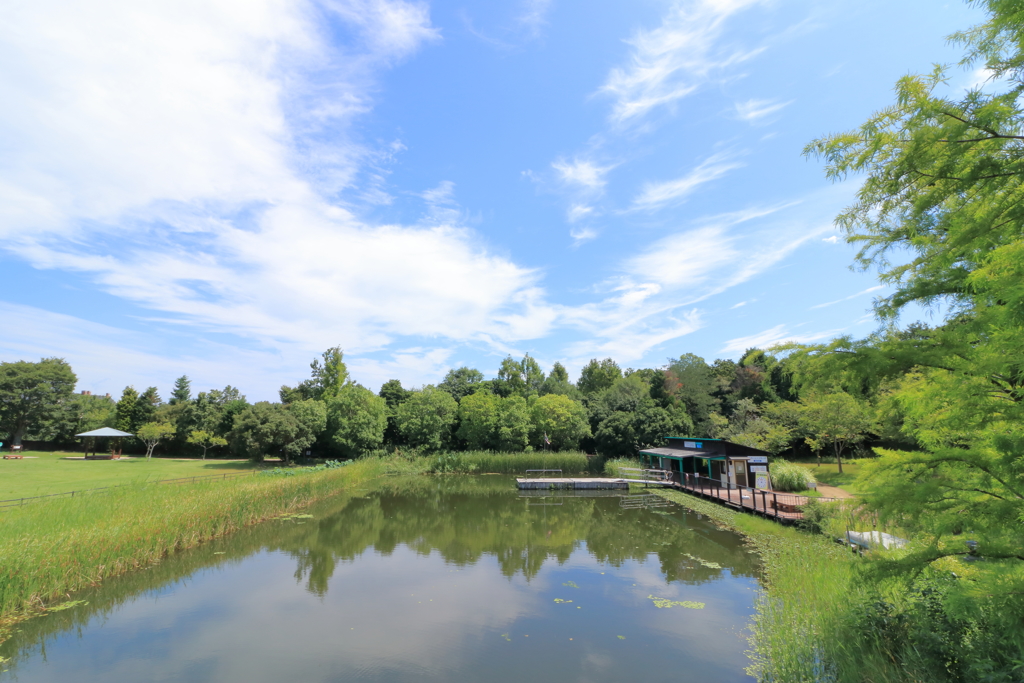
[666, 603]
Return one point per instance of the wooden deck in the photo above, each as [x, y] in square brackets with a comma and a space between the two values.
[781, 506]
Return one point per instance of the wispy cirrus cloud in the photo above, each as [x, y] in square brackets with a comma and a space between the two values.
[848, 298]
[673, 60]
[754, 111]
[582, 173]
[657, 195]
[773, 336]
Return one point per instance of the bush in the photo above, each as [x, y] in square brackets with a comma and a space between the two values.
[787, 476]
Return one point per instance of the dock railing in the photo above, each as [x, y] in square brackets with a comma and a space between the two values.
[769, 503]
[542, 472]
[642, 476]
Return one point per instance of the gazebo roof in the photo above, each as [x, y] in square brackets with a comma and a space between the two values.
[105, 431]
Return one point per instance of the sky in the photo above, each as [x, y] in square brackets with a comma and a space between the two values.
[226, 188]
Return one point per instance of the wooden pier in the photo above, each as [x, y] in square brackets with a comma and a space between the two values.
[548, 483]
[781, 506]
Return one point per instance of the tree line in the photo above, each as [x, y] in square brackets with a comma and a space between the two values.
[607, 410]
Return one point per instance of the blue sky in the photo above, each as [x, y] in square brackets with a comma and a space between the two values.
[226, 188]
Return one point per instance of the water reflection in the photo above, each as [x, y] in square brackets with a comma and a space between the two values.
[444, 578]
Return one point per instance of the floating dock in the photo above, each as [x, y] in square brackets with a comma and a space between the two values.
[572, 483]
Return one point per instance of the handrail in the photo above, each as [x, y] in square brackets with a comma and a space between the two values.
[542, 471]
[12, 502]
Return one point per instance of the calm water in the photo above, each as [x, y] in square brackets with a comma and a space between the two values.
[432, 579]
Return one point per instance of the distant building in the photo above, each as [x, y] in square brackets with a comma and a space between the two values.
[731, 464]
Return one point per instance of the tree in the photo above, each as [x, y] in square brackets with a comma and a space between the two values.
[559, 373]
[152, 433]
[626, 418]
[264, 428]
[127, 410]
[33, 393]
[461, 382]
[356, 421]
[425, 419]
[835, 420]
[83, 413]
[182, 392]
[311, 416]
[146, 406]
[512, 424]
[521, 378]
[326, 378]
[691, 382]
[558, 422]
[205, 440]
[477, 415]
[598, 376]
[394, 395]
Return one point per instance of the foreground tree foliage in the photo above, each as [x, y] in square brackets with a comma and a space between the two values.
[940, 215]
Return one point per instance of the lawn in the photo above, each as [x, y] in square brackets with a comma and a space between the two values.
[46, 472]
[828, 473]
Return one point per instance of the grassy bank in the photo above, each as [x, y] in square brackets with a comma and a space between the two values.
[44, 472]
[52, 548]
[826, 614]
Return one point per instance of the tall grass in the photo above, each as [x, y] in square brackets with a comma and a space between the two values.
[787, 476]
[52, 548]
[481, 462]
[613, 467]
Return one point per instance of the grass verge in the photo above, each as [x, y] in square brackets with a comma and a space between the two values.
[802, 630]
[44, 472]
[53, 548]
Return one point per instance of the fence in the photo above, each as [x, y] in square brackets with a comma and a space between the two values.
[11, 502]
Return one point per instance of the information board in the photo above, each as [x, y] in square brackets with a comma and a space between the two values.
[758, 459]
[761, 481]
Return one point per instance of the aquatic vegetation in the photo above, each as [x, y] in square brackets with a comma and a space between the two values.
[66, 605]
[561, 600]
[621, 637]
[703, 562]
[665, 603]
[469, 462]
[570, 584]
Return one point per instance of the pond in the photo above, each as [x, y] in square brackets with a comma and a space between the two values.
[445, 578]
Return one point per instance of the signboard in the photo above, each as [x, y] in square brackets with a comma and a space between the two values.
[695, 444]
[758, 459]
[758, 468]
[761, 481]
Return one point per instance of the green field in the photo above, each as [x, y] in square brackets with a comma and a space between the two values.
[43, 472]
[828, 473]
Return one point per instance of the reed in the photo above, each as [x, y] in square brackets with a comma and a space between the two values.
[483, 462]
[52, 548]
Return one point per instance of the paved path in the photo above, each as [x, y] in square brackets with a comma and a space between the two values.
[833, 492]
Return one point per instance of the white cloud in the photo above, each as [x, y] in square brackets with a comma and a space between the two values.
[582, 173]
[831, 240]
[534, 16]
[578, 211]
[581, 235]
[773, 336]
[656, 195]
[675, 59]
[176, 177]
[847, 298]
[753, 111]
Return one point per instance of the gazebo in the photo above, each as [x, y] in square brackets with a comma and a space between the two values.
[102, 432]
